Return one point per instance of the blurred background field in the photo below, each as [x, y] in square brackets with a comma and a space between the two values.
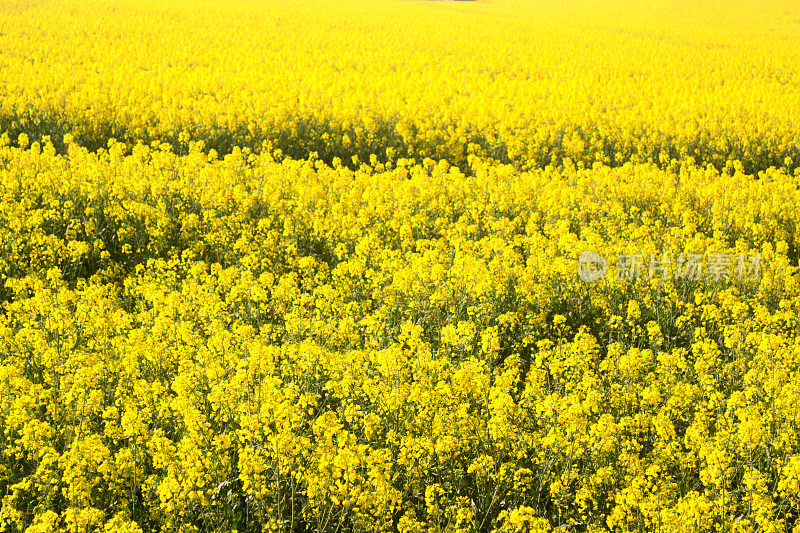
[527, 83]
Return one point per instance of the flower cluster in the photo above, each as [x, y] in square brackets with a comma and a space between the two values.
[194, 343]
[255, 276]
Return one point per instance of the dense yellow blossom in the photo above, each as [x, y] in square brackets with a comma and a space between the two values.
[245, 340]
[382, 80]
[312, 266]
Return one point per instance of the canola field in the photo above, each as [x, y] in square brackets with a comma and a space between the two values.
[318, 266]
